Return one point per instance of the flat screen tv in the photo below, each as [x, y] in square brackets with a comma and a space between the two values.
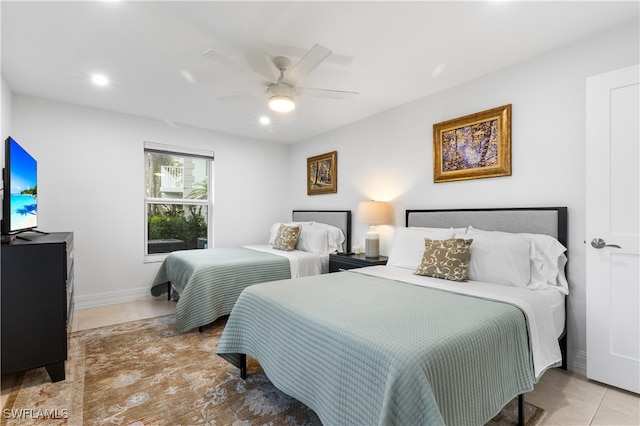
[20, 193]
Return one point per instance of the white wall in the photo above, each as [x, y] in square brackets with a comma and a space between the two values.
[389, 157]
[91, 182]
[6, 116]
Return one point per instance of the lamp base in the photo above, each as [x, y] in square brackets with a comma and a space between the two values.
[372, 247]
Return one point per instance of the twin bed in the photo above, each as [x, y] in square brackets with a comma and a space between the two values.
[382, 345]
[208, 282]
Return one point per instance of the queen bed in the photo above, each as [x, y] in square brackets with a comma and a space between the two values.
[396, 345]
[208, 282]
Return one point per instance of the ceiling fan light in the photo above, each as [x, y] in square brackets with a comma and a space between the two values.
[281, 103]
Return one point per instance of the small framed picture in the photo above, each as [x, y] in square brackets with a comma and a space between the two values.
[322, 173]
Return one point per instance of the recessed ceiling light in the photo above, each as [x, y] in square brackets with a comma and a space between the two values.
[188, 76]
[100, 80]
[265, 120]
[437, 70]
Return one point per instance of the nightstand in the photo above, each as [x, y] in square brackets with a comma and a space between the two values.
[341, 262]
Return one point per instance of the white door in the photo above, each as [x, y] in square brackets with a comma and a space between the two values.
[613, 225]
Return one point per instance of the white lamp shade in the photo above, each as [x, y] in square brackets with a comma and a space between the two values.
[374, 212]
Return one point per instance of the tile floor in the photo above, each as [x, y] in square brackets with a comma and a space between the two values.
[567, 398]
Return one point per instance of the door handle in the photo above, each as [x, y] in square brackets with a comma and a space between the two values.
[600, 243]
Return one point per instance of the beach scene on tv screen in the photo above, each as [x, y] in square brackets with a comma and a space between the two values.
[24, 191]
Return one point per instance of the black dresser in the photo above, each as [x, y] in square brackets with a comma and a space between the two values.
[37, 302]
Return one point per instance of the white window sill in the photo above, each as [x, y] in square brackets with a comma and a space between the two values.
[155, 258]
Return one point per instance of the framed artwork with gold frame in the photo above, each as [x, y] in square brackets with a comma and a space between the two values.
[473, 147]
[322, 173]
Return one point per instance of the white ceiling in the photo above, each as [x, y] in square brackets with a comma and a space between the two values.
[389, 52]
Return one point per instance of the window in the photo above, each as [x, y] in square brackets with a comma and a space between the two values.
[177, 198]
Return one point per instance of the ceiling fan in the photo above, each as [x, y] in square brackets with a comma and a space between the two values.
[282, 92]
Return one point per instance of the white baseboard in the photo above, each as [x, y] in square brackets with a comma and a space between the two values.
[579, 363]
[112, 297]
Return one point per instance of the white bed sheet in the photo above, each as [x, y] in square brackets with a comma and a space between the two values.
[542, 307]
[302, 263]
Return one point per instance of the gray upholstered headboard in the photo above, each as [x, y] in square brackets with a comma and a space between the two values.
[538, 220]
[338, 218]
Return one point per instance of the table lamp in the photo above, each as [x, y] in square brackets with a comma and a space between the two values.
[373, 213]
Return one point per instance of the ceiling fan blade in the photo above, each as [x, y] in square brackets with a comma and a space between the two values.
[231, 98]
[296, 52]
[308, 63]
[215, 56]
[242, 97]
[327, 93]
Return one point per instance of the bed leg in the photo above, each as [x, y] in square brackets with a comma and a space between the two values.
[200, 329]
[563, 351]
[521, 409]
[243, 366]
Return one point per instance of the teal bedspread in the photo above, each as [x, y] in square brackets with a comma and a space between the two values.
[210, 281]
[364, 350]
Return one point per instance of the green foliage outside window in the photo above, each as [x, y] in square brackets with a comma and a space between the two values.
[183, 222]
[176, 222]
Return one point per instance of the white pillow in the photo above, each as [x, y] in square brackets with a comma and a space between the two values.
[274, 229]
[335, 236]
[408, 247]
[499, 258]
[562, 285]
[547, 261]
[313, 239]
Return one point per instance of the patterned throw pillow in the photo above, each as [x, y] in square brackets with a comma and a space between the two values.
[447, 259]
[286, 237]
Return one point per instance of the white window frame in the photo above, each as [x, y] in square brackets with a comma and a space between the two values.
[185, 152]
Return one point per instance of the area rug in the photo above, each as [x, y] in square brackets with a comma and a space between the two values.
[148, 373]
